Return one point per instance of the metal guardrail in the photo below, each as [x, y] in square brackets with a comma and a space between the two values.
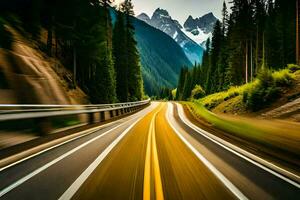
[9, 112]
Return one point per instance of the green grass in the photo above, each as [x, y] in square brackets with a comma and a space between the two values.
[265, 88]
[61, 122]
[31, 125]
[269, 134]
[200, 111]
[213, 100]
[284, 77]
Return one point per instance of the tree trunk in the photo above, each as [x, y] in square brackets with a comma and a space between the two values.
[297, 33]
[74, 67]
[246, 62]
[49, 40]
[256, 52]
[264, 52]
[251, 62]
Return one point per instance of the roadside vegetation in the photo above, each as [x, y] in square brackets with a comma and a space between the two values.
[100, 54]
[257, 95]
[268, 134]
[247, 57]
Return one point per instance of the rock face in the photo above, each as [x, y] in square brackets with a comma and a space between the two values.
[205, 23]
[164, 22]
[144, 17]
[29, 77]
[200, 29]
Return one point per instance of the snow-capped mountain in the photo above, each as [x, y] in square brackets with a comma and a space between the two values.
[164, 22]
[200, 29]
[144, 17]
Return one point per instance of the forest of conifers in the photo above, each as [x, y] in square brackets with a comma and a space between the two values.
[257, 35]
[103, 58]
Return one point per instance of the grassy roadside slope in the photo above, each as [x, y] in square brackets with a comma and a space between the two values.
[273, 137]
[269, 91]
[236, 115]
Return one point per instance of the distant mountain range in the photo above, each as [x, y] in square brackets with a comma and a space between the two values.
[161, 57]
[164, 48]
[190, 36]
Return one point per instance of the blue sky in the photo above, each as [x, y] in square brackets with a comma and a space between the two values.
[179, 9]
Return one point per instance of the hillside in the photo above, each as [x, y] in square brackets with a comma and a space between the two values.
[157, 51]
[277, 100]
[164, 22]
[25, 70]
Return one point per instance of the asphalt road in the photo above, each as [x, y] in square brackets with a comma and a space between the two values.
[154, 154]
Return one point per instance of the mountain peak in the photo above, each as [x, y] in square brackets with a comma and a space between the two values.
[209, 16]
[204, 23]
[160, 13]
[190, 17]
[144, 17]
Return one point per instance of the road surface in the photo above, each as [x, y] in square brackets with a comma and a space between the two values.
[154, 154]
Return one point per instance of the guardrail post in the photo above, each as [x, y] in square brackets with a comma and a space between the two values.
[102, 116]
[44, 126]
[91, 118]
[117, 112]
[111, 114]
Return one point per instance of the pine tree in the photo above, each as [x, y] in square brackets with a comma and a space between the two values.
[102, 84]
[212, 75]
[135, 83]
[225, 18]
[181, 81]
[119, 50]
[205, 65]
[260, 22]
[187, 88]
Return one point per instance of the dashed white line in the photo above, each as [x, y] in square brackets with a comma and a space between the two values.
[68, 194]
[39, 170]
[216, 172]
[241, 153]
[81, 134]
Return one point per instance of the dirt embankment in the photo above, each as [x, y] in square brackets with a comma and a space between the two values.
[28, 76]
[287, 107]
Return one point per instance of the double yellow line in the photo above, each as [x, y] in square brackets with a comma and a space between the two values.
[152, 164]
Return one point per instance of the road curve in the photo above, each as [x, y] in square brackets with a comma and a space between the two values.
[253, 181]
[153, 154]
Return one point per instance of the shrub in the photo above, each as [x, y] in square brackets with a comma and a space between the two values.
[258, 94]
[197, 92]
[293, 68]
[265, 77]
[263, 93]
[283, 78]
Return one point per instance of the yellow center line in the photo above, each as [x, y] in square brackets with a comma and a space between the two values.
[147, 171]
[152, 149]
[157, 177]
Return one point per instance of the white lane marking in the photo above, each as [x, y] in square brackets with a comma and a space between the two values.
[240, 152]
[90, 131]
[37, 171]
[216, 172]
[68, 194]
